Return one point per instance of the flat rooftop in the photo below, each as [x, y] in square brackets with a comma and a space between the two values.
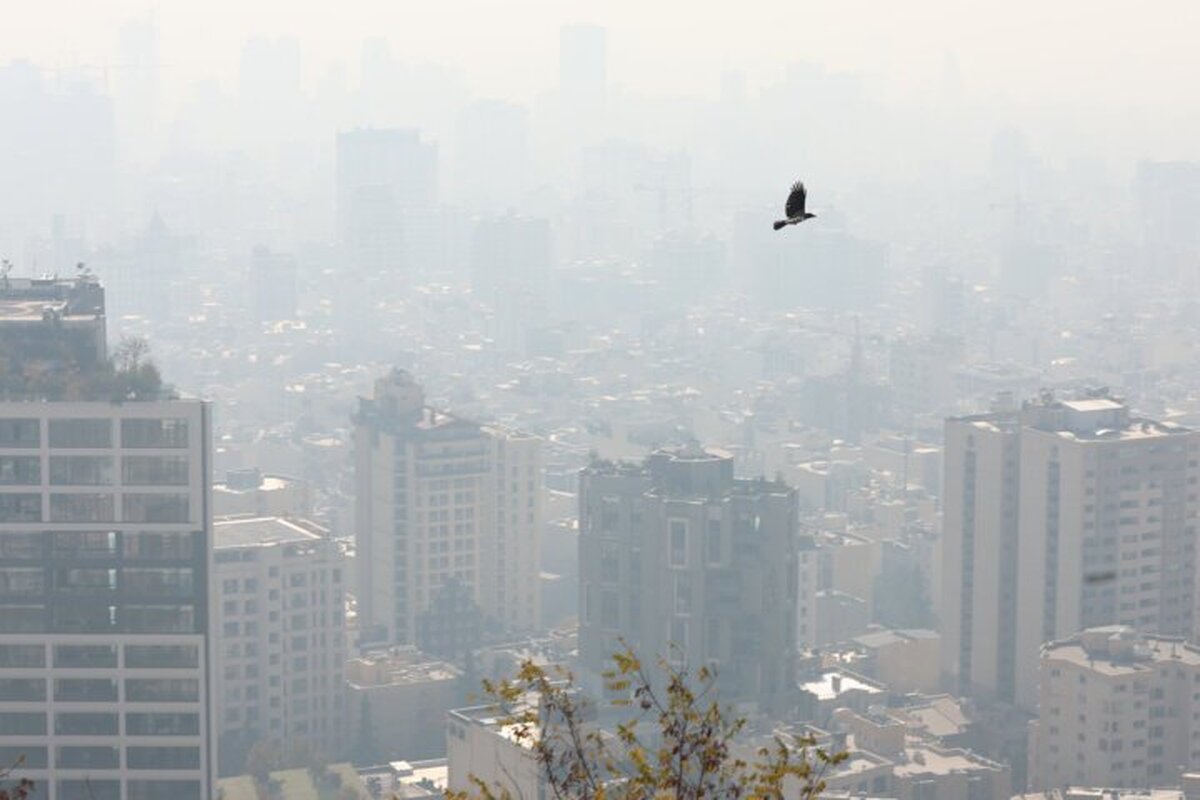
[824, 686]
[263, 531]
[935, 761]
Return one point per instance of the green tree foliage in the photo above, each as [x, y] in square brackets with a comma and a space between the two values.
[677, 740]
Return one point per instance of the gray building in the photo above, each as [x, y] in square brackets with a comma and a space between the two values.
[681, 560]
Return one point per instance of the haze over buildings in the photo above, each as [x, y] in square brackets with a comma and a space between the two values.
[352, 356]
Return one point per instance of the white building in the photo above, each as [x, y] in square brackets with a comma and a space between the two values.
[1116, 709]
[446, 510]
[104, 575]
[279, 608]
[1064, 516]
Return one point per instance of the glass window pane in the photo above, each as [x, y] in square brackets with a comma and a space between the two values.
[154, 470]
[162, 690]
[30, 757]
[89, 789]
[20, 507]
[155, 508]
[85, 655]
[81, 433]
[22, 619]
[21, 546]
[88, 757]
[22, 689]
[158, 656]
[84, 617]
[154, 433]
[20, 433]
[158, 582]
[20, 470]
[23, 722]
[92, 545]
[158, 619]
[22, 581]
[169, 546]
[85, 690]
[163, 790]
[77, 723]
[22, 655]
[162, 757]
[81, 470]
[81, 508]
[162, 724]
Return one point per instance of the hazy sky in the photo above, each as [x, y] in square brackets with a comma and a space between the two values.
[1099, 51]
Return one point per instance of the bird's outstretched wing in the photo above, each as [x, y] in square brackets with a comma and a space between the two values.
[796, 200]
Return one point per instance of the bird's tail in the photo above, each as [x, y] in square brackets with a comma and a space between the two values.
[780, 223]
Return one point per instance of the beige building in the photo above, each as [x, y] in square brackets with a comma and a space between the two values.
[280, 609]
[905, 660]
[1063, 516]
[449, 517]
[481, 746]
[1107, 519]
[399, 699]
[1116, 709]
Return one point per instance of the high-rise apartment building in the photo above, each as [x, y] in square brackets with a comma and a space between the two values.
[444, 506]
[104, 567]
[680, 559]
[979, 554]
[279, 614]
[1116, 709]
[1064, 516]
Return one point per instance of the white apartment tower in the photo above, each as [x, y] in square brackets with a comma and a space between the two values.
[1063, 516]
[1116, 709]
[449, 516]
[279, 614]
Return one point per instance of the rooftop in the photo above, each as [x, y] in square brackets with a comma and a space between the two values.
[1118, 650]
[244, 531]
[832, 684]
[928, 760]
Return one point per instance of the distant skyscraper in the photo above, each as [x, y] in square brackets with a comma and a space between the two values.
[105, 528]
[444, 506]
[680, 559]
[384, 176]
[1067, 515]
[280, 624]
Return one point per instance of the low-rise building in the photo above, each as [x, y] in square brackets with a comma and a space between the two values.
[398, 700]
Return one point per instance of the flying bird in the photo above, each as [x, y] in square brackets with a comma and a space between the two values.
[794, 209]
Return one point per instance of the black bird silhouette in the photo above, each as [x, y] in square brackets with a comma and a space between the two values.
[794, 210]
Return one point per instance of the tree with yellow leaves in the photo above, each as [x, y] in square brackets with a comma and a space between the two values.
[677, 740]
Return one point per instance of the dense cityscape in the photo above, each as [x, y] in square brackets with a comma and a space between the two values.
[327, 403]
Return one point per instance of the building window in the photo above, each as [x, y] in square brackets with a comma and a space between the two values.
[81, 470]
[154, 508]
[26, 757]
[146, 546]
[163, 790]
[158, 758]
[22, 655]
[22, 619]
[160, 656]
[85, 724]
[154, 470]
[81, 508]
[20, 433]
[162, 690]
[22, 690]
[20, 470]
[90, 757]
[79, 656]
[165, 433]
[678, 543]
[158, 619]
[20, 508]
[85, 690]
[88, 789]
[31, 723]
[22, 582]
[162, 724]
[81, 433]
[713, 544]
